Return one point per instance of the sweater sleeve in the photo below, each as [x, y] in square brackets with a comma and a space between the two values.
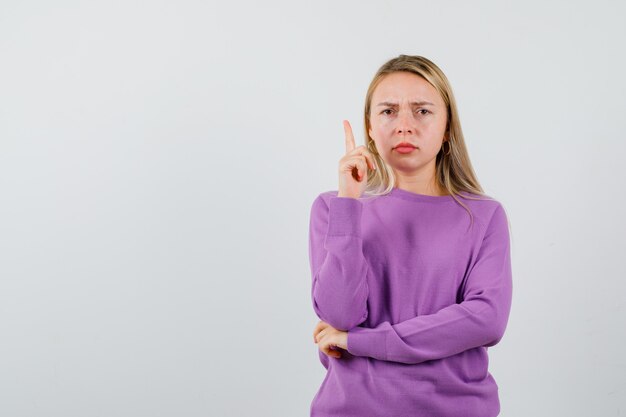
[339, 270]
[479, 320]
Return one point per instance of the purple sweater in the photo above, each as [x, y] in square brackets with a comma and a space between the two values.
[422, 292]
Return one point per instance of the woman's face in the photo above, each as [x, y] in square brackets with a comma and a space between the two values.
[406, 108]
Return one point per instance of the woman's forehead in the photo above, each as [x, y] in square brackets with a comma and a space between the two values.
[402, 87]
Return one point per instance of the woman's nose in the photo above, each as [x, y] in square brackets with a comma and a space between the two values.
[405, 120]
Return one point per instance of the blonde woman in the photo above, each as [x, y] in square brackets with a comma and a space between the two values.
[410, 261]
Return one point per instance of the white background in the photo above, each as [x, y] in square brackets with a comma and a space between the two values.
[158, 161]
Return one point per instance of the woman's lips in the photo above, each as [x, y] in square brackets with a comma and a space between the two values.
[405, 149]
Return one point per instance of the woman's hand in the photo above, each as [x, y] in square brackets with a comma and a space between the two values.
[353, 166]
[327, 337]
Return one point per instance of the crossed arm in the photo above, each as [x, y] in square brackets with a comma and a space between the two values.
[340, 291]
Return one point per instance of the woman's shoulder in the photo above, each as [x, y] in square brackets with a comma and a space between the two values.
[486, 207]
[324, 196]
[482, 199]
[322, 200]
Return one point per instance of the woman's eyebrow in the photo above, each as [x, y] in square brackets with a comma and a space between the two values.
[417, 103]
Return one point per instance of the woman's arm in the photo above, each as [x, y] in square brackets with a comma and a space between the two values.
[480, 320]
[339, 289]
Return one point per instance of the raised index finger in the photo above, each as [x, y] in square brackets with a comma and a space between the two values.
[350, 145]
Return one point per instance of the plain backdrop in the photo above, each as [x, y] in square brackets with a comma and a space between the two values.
[158, 162]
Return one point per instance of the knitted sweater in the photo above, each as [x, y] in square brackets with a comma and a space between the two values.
[423, 292]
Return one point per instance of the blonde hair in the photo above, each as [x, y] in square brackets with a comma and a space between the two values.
[454, 172]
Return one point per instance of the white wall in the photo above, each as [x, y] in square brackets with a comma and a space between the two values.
[158, 161]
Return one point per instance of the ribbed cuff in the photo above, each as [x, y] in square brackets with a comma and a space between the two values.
[344, 216]
[363, 341]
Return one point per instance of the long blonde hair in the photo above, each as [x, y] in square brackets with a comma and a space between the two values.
[454, 171]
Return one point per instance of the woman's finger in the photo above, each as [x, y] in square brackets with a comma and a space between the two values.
[320, 335]
[318, 328]
[362, 150]
[326, 348]
[350, 144]
[360, 163]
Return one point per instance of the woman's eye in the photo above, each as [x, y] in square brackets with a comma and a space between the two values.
[388, 111]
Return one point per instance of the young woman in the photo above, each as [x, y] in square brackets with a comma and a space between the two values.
[410, 261]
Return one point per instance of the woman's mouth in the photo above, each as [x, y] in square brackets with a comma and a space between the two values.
[405, 149]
